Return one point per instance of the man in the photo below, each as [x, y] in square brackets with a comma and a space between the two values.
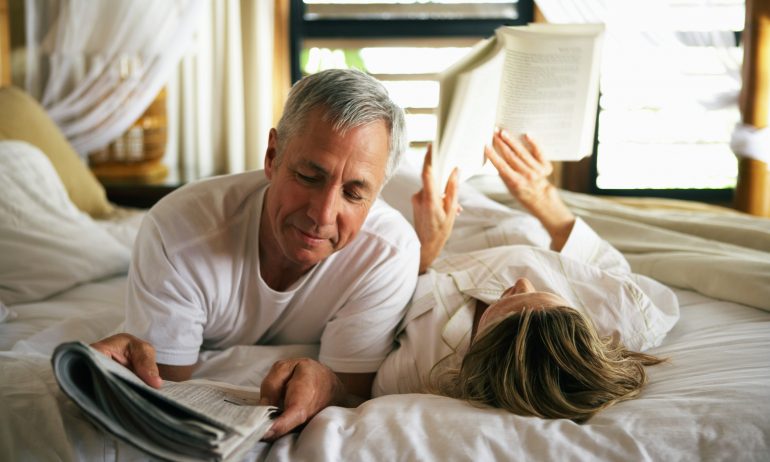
[302, 252]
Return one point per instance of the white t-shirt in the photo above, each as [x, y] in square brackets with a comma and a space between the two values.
[588, 272]
[195, 281]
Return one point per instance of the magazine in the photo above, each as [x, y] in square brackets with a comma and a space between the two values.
[191, 420]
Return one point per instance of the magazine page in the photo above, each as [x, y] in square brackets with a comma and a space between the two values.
[198, 418]
[238, 408]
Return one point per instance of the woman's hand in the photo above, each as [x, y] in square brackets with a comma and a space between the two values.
[522, 167]
[434, 215]
[525, 171]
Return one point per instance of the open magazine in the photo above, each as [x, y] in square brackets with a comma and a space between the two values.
[192, 420]
[540, 79]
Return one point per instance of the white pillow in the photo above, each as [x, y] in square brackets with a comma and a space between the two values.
[5, 313]
[46, 243]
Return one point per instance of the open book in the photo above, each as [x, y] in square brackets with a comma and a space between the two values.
[540, 79]
[192, 420]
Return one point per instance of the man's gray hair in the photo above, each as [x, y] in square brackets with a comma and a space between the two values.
[350, 99]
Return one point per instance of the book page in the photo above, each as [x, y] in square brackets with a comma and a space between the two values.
[478, 55]
[549, 87]
[471, 121]
[464, 96]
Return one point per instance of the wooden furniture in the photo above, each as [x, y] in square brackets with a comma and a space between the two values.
[5, 44]
[752, 192]
[137, 154]
[139, 193]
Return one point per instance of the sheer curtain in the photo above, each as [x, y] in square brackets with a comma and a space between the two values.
[220, 96]
[96, 65]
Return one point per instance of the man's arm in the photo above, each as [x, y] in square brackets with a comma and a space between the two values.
[304, 387]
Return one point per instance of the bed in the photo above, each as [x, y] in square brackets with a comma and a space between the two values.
[65, 251]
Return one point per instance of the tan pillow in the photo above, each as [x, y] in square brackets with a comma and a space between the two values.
[22, 118]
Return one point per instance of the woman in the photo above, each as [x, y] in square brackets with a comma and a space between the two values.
[548, 332]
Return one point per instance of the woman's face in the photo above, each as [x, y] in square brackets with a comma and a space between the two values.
[520, 295]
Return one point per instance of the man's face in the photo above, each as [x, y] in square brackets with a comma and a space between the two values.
[321, 190]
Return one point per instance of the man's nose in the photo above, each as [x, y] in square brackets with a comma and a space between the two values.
[324, 206]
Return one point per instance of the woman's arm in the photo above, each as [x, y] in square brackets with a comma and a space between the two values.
[525, 171]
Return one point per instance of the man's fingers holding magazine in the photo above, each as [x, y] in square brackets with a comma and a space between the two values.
[134, 353]
[302, 388]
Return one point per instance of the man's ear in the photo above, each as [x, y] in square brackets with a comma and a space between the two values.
[271, 153]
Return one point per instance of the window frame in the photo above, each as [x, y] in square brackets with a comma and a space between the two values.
[711, 195]
[300, 28]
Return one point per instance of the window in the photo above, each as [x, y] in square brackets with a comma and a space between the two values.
[668, 91]
[669, 103]
[405, 44]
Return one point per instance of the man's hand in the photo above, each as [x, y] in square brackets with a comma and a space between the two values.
[134, 353]
[525, 171]
[302, 388]
[434, 215]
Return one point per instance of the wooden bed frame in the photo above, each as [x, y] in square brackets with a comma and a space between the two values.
[752, 192]
[5, 44]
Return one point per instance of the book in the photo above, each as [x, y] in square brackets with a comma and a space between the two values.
[192, 420]
[539, 79]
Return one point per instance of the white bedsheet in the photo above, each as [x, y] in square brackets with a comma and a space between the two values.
[710, 402]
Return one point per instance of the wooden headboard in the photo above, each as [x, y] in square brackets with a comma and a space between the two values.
[5, 44]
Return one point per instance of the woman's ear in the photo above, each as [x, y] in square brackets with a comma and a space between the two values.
[271, 153]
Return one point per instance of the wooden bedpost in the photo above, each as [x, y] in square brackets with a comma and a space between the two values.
[282, 57]
[5, 44]
[752, 192]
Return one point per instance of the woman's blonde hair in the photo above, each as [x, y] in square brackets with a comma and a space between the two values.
[545, 362]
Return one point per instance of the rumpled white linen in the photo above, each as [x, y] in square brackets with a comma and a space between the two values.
[724, 255]
[46, 244]
[709, 402]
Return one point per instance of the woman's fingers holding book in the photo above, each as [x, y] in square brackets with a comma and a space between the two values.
[510, 177]
[515, 152]
[134, 353]
[522, 168]
[521, 155]
[534, 149]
